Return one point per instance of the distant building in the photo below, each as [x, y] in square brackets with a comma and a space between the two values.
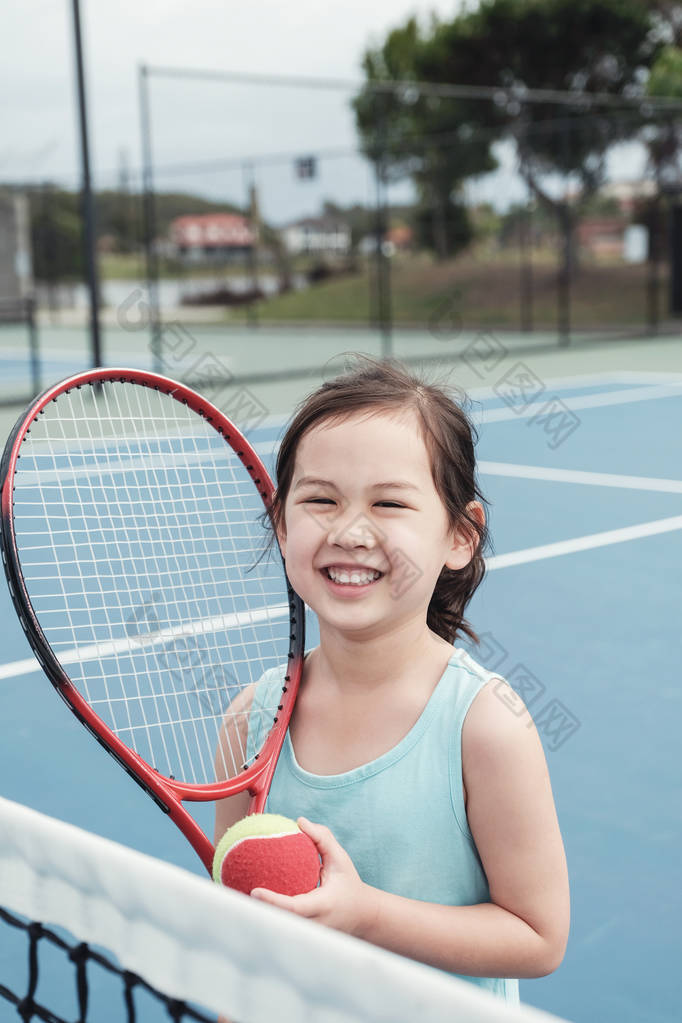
[396, 239]
[320, 235]
[628, 193]
[401, 237]
[603, 237]
[367, 246]
[211, 236]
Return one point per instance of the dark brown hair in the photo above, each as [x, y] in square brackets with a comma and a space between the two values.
[449, 437]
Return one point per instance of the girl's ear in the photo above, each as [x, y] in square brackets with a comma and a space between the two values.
[465, 538]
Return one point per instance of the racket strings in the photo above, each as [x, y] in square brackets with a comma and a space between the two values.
[115, 594]
[219, 515]
[179, 713]
[160, 706]
[140, 542]
[167, 708]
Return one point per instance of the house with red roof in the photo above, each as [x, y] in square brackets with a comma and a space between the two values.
[212, 236]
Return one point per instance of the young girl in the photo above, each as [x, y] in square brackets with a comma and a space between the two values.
[427, 795]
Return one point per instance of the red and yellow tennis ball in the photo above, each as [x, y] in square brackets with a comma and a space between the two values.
[266, 850]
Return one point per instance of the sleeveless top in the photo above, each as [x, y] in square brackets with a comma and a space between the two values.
[401, 818]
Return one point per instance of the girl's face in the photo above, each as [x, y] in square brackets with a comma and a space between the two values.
[365, 532]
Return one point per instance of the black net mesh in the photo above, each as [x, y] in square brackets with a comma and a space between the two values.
[75, 981]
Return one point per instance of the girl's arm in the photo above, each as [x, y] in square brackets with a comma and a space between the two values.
[523, 930]
[233, 736]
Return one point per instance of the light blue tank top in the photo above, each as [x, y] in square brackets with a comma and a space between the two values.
[401, 818]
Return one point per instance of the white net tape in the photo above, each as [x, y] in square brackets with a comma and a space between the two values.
[217, 948]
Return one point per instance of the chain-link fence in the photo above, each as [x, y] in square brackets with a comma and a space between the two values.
[404, 211]
[547, 218]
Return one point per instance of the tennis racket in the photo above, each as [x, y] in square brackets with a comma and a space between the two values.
[134, 543]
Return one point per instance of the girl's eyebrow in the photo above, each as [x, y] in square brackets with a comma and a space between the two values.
[389, 484]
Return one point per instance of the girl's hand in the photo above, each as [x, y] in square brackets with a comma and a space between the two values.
[342, 900]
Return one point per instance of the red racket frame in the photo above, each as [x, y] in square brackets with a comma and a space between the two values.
[168, 793]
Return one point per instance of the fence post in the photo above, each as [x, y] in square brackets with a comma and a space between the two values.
[149, 206]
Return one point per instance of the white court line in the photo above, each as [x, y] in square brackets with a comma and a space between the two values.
[584, 543]
[646, 376]
[605, 377]
[267, 449]
[96, 651]
[497, 415]
[594, 479]
[15, 668]
[578, 380]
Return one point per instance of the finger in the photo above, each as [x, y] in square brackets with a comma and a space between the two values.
[272, 898]
[334, 857]
[302, 905]
[322, 837]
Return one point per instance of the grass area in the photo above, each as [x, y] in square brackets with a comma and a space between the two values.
[481, 288]
[480, 292]
[131, 265]
[120, 266]
[116, 266]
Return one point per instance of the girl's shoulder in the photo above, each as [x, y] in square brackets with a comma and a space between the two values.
[496, 712]
[271, 681]
[471, 675]
[463, 658]
[490, 701]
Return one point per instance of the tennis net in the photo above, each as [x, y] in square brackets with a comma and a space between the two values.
[124, 938]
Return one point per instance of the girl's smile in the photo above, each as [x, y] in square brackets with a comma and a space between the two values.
[351, 580]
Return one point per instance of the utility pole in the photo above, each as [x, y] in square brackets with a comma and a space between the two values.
[87, 201]
[149, 206]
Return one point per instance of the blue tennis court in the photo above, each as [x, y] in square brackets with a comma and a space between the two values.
[579, 612]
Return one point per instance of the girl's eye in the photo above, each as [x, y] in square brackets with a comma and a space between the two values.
[328, 500]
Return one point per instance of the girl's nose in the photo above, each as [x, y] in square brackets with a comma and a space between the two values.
[353, 531]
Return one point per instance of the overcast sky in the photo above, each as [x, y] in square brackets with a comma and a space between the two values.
[194, 121]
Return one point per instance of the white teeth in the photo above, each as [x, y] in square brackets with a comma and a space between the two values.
[354, 578]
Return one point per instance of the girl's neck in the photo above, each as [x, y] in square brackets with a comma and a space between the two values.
[370, 664]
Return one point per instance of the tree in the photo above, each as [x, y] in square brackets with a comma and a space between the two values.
[663, 138]
[119, 215]
[433, 141]
[581, 46]
[667, 19]
[663, 134]
[56, 235]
